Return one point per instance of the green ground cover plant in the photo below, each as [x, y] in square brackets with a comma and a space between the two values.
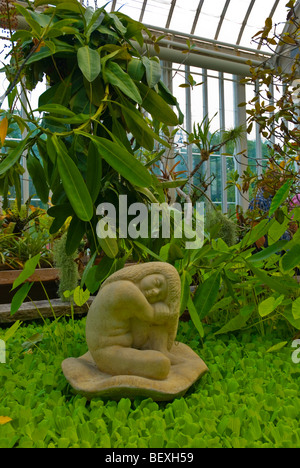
[249, 398]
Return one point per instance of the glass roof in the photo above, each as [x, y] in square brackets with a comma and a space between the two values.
[230, 21]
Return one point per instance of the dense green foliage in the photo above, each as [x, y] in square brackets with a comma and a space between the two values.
[83, 142]
[249, 398]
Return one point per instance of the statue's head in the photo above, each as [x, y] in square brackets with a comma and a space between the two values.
[154, 287]
[158, 282]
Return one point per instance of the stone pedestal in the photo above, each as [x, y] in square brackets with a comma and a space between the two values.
[85, 378]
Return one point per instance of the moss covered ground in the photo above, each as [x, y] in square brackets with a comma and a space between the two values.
[249, 398]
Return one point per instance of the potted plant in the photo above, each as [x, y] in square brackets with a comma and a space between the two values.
[23, 235]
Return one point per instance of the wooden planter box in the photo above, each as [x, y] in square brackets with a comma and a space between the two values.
[48, 276]
[42, 274]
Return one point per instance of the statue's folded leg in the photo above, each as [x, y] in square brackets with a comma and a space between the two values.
[119, 360]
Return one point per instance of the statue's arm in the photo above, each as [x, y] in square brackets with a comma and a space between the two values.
[127, 299]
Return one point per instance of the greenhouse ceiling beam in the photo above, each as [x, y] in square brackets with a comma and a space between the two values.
[222, 18]
[250, 8]
[198, 11]
[173, 3]
[143, 11]
[113, 5]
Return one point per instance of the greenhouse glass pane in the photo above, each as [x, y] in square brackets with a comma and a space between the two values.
[209, 18]
[216, 186]
[178, 91]
[197, 105]
[157, 12]
[130, 8]
[213, 103]
[280, 16]
[100, 4]
[183, 15]
[229, 104]
[256, 21]
[233, 20]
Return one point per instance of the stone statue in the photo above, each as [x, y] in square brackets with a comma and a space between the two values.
[130, 331]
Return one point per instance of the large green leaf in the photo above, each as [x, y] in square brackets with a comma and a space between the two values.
[268, 306]
[73, 183]
[291, 259]
[45, 52]
[110, 246]
[207, 294]
[236, 323]
[296, 309]
[121, 160]
[60, 213]
[38, 177]
[75, 234]
[195, 317]
[19, 297]
[29, 19]
[136, 69]
[71, 6]
[117, 77]
[28, 270]
[90, 281]
[60, 93]
[276, 283]
[93, 20]
[75, 120]
[153, 70]
[94, 171]
[264, 254]
[94, 91]
[288, 313]
[165, 93]
[56, 109]
[280, 197]
[185, 290]
[87, 268]
[81, 296]
[139, 128]
[257, 232]
[157, 106]
[103, 268]
[277, 229]
[89, 62]
[13, 156]
[18, 189]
